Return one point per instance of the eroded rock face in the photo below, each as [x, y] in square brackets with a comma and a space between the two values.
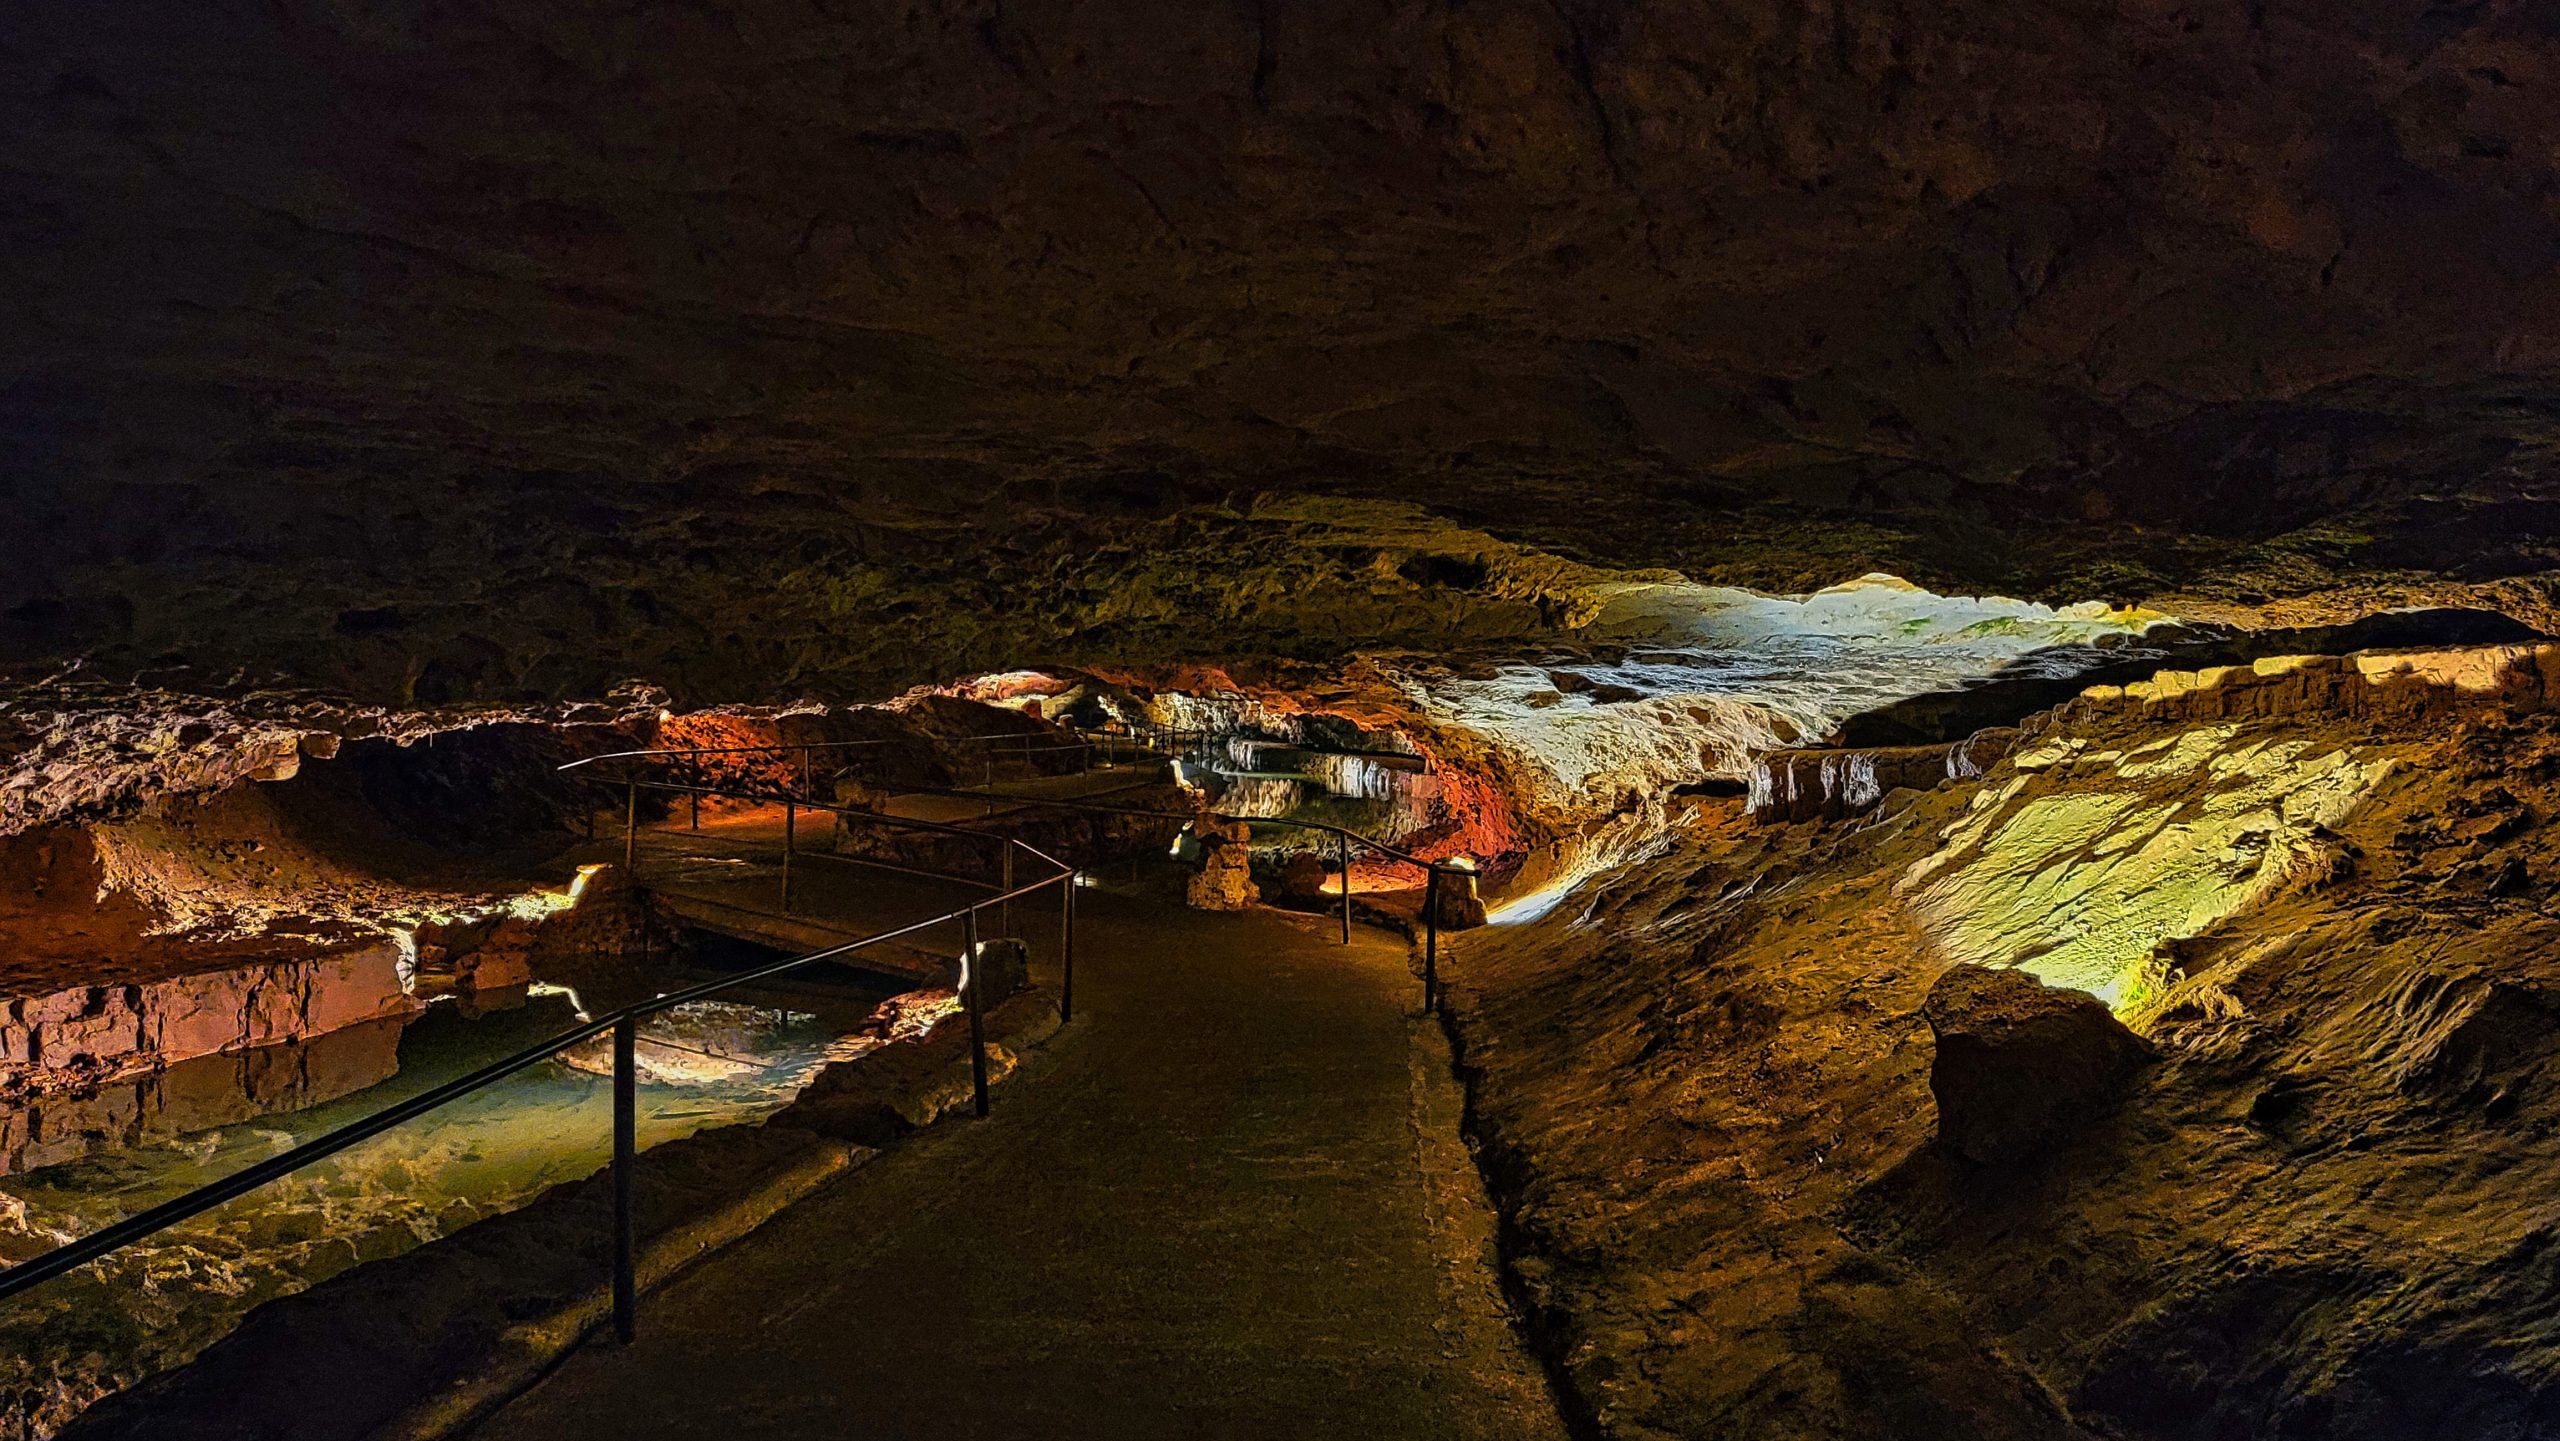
[2019, 1062]
[1706, 1101]
[92, 1033]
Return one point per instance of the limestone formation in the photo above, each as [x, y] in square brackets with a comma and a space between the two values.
[97, 1033]
[2019, 1063]
[1224, 881]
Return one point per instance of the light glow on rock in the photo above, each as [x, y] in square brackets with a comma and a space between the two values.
[2081, 864]
[1711, 677]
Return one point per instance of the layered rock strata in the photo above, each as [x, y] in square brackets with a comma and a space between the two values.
[99, 1033]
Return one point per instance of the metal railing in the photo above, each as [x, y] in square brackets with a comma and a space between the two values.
[1433, 872]
[624, 1024]
[1343, 840]
[792, 806]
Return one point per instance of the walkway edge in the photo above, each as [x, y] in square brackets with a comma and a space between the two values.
[399, 1343]
[526, 1353]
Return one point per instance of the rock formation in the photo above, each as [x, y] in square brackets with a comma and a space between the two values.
[1708, 1104]
[2239, 306]
[2018, 1062]
[1224, 881]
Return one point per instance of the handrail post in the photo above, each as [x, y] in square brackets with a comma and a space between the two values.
[790, 843]
[1431, 942]
[809, 775]
[631, 835]
[626, 1298]
[969, 978]
[1067, 949]
[1342, 858]
[1004, 887]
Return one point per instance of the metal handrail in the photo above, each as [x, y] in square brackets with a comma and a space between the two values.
[624, 1024]
[1343, 839]
[1082, 742]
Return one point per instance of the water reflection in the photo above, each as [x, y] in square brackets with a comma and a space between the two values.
[1385, 797]
[197, 1095]
[82, 1162]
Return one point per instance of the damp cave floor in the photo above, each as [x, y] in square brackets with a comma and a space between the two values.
[1230, 1200]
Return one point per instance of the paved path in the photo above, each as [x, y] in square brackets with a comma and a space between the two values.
[1230, 1201]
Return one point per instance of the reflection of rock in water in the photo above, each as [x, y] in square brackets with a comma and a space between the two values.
[155, 1305]
[197, 1095]
[1258, 796]
[701, 1042]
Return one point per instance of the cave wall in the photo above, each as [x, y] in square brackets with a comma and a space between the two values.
[471, 349]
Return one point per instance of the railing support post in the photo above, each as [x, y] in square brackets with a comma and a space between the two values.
[790, 843]
[626, 1286]
[1431, 943]
[1342, 859]
[1067, 949]
[631, 836]
[809, 775]
[969, 959]
[1004, 886]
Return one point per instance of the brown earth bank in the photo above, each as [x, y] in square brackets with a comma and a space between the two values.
[2313, 1198]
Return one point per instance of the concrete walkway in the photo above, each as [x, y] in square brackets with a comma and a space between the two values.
[1229, 1201]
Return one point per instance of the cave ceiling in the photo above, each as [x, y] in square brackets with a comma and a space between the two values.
[483, 350]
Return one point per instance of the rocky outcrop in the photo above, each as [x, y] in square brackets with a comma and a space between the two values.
[1224, 881]
[2384, 684]
[1829, 784]
[95, 1033]
[1734, 1127]
[84, 752]
[2019, 1063]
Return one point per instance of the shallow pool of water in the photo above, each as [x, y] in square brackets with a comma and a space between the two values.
[158, 1303]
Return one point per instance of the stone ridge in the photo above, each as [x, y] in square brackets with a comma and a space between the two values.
[2389, 683]
[1829, 783]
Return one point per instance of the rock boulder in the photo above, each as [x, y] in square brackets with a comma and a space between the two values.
[2019, 1061]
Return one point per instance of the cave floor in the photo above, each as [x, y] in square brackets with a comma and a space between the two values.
[1229, 1200]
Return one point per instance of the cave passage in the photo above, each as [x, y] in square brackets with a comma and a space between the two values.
[1778, 719]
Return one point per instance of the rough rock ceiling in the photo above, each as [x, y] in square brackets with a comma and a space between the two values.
[518, 347]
